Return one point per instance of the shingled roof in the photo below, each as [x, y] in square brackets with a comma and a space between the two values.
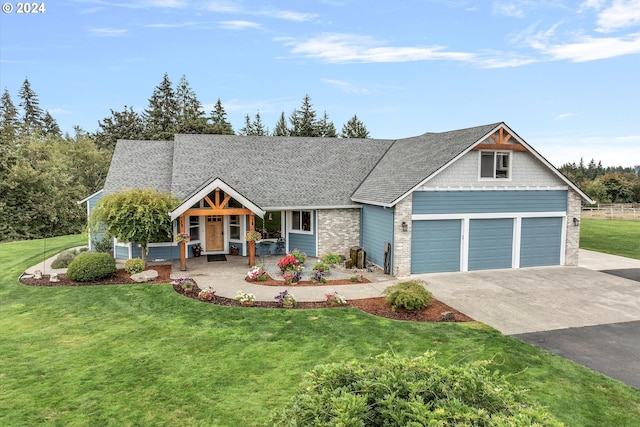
[289, 172]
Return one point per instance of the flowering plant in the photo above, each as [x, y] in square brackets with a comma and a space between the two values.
[287, 263]
[244, 297]
[185, 282]
[257, 273]
[206, 294]
[182, 237]
[335, 299]
[286, 299]
[321, 267]
[300, 256]
[357, 277]
[318, 276]
[253, 236]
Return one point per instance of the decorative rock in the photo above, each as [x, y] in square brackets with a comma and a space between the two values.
[145, 276]
[37, 274]
[54, 277]
[447, 316]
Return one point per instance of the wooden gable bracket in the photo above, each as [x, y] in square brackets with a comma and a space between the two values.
[501, 138]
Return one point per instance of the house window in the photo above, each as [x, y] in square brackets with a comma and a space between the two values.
[234, 227]
[301, 221]
[495, 164]
[194, 227]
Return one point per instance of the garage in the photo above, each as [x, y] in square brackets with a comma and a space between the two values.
[435, 246]
[490, 243]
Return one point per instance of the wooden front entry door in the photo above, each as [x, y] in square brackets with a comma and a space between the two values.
[215, 233]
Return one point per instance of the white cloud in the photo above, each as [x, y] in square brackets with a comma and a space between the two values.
[341, 48]
[508, 9]
[347, 87]
[108, 32]
[621, 14]
[564, 116]
[588, 48]
[239, 25]
[174, 25]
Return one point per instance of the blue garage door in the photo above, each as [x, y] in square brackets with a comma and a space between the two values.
[490, 243]
[540, 241]
[435, 246]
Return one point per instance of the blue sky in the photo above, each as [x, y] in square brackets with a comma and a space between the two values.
[565, 75]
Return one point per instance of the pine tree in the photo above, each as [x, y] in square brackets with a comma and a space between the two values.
[248, 127]
[354, 128]
[9, 123]
[325, 127]
[303, 121]
[258, 126]
[219, 123]
[50, 126]
[191, 116]
[125, 124]
[281, 127]
[32, 113]
[161, 117]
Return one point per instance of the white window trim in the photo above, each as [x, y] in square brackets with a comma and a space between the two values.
[290, 222]
[494, 178]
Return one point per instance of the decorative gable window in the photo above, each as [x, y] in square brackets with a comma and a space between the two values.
[495, 164]
[301, 221]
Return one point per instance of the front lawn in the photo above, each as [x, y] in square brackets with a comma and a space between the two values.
[611, 236]
[143, 355]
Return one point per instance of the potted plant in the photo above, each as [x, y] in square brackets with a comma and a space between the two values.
[185, 283]
[234, 250]
[245, 298]
[197, 250]
[182, 237]
[286, 299]
[257, 273]
[300, 256]
[206, 294]
[335, 299]
[253, 236]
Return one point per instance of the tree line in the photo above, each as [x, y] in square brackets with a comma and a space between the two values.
[605, 185]
[43, 172]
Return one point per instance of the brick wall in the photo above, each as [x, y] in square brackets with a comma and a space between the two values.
[574, 209]
[338, 230]
[402, 245]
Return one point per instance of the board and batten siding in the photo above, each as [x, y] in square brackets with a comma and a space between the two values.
[377, 229]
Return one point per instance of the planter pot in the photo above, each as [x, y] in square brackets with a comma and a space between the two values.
[247, 303]
[234, 252]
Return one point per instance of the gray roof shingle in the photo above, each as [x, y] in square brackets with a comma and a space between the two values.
[289, 172]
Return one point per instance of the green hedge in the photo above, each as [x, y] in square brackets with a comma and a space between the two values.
[91, 266]
[394, 391]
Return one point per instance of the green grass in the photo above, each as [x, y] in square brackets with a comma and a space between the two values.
[611, 236]
[143, 355]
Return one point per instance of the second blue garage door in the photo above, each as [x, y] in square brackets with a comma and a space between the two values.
[490, 243]
[541, 240]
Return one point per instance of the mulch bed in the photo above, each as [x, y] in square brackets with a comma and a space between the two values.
[375, 306]
[273, 282]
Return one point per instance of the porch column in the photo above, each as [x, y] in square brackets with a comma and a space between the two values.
[183, 247]
[252, 244]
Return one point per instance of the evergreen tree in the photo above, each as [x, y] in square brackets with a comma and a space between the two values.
[219, 123]
[281, 127]
[125, 124]
[354, 128]
[50, 126]
[161, 117]
[248, 127]
[9, 122]
[31, 111]
[303, 121]
[191, 116]
[325, 127]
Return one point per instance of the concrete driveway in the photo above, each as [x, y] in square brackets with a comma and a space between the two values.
[581, 313]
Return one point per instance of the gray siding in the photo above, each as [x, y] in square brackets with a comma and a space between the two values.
[377, 228]
[435, 246]
[461, 202]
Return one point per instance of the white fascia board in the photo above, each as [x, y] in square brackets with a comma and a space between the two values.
[487, 215]
[309, 208]
[369, 202]
[216, 183]
[494, 188]
[86, 199]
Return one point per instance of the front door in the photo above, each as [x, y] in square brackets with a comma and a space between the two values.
[215, 233]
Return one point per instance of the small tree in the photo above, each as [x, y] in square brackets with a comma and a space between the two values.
[354, 128]
[139, 215]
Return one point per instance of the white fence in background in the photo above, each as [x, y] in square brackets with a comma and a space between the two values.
[611, 212]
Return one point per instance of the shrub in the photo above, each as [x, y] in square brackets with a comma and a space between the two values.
[300, 256]
[321, 267]
[64, 259]
[332, 258]
[102, 246]
[393, 391]
[91, 266]
[133, 265]
[410, 295]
